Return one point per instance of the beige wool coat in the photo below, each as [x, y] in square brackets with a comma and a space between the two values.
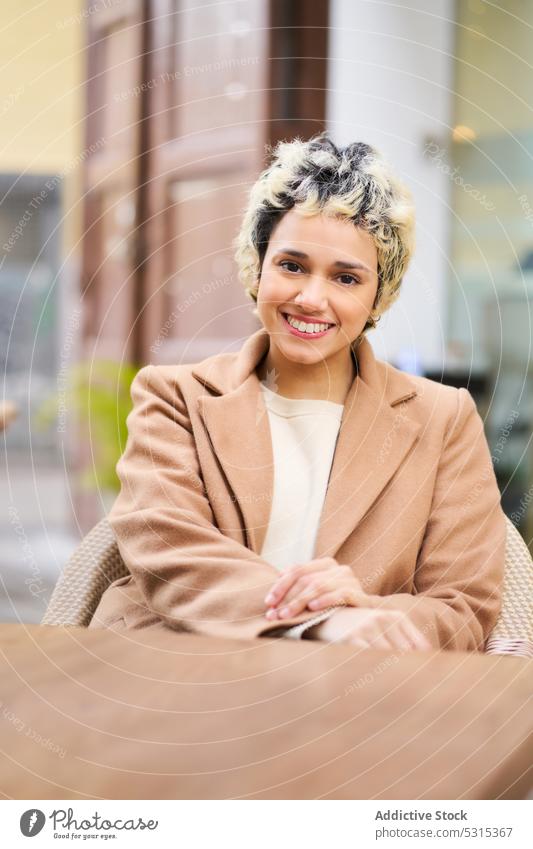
[412, 503]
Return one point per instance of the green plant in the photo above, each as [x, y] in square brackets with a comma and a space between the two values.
[98, 393]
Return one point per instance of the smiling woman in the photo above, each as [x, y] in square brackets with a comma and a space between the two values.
[312, 299]
[354, 185]
[326, 239]
[301, 487]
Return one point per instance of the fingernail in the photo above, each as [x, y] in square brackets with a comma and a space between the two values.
[271, 614]
[270, 598]
[284, 612]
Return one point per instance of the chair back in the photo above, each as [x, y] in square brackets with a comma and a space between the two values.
[513, 632]
[95, 564]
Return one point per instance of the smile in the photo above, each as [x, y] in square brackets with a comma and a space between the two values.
[306, 330]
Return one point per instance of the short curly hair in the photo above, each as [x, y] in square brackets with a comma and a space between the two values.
[316, 176]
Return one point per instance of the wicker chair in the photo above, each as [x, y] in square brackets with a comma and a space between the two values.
[97, 562]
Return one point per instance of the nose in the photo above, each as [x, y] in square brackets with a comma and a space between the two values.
[312, 296]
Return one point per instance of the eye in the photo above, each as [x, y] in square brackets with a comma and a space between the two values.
[285, 262]
[353, 281]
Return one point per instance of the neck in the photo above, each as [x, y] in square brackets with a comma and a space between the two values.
[327, 380]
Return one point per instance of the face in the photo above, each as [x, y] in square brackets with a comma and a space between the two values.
[320, 270]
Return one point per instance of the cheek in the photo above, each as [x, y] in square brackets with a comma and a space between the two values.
[355, 305]
[271, 288]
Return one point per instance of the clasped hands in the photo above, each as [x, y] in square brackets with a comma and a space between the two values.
[323, 583]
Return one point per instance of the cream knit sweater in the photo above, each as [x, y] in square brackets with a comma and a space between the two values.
[304, 435]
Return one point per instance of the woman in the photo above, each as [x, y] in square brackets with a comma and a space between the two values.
[301, 487]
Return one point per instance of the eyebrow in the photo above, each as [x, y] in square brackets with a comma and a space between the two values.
[339, 263]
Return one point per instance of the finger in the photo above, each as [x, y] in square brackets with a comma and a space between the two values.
[346, 595]
[319, 564]
[383, 632]
[354, 593]
[297, 605]
[279, 589]
[411, 633]
[399, 639]
[392, 624]
[310, 587]
[357, 642]
[418, 639]
[386, 636]
[281, 586]
[377, 640]
[306, 587]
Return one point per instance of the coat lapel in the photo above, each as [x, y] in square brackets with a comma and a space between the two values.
[374, 439]
[242, 444]
[375, 436]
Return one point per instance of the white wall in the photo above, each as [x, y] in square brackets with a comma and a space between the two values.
[390, 81]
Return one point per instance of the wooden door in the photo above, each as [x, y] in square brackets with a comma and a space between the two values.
[208, 110]
[115, 70]
[214, 100]
[182, 100]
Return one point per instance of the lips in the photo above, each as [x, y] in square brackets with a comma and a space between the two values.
[308, 319]
[302, 333]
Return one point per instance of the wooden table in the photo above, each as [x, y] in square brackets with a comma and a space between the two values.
[98, 714]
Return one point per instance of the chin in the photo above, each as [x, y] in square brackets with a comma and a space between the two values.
[306, 357]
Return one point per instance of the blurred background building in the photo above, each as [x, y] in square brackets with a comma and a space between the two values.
[131, 132]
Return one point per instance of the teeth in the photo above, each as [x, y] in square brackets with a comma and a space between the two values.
[307, 328]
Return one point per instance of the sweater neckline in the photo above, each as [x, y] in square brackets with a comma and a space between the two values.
[296, 406]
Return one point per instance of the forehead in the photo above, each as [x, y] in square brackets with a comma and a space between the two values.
[323, 237]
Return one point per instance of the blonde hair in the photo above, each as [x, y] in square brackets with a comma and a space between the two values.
[316, 176]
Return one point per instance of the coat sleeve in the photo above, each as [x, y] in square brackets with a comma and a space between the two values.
[190, 574]
[459, 572]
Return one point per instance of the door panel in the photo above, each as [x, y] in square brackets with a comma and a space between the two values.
[183, 99]
[111, 278]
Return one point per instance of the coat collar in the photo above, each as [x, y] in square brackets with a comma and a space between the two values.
[375, 436]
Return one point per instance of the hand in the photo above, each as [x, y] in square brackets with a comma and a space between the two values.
[371, 628]
[320, 583]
